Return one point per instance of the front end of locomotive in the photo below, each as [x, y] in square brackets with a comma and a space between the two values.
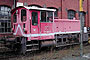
[19, 21]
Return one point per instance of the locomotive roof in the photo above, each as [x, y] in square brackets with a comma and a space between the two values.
[37, 8]
[33, 8]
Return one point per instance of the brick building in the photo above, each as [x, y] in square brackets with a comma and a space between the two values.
[66, 9]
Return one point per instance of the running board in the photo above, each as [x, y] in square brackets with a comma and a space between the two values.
[67, 44]
[32, 45]
[32, 50]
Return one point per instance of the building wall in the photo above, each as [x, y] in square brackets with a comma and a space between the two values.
[48, 3]
[44, 3]
[61, 5]
[88, 21]
[64, 5]
[69, 5]
[7, 2]
[74, 5]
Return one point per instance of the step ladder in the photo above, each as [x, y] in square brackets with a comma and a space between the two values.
[32, 45]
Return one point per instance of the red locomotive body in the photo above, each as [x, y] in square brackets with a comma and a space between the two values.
[39, 30]
[35, 27]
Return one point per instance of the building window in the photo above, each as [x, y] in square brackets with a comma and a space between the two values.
[34, 18]
[55, 13]
[71, 14]
[23, 15]
[5, 19]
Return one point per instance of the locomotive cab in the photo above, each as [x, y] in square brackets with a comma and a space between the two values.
[33, 23]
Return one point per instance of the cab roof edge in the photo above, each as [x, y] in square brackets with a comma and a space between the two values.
[36, 8]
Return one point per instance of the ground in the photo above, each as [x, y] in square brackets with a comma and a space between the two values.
[59, 54]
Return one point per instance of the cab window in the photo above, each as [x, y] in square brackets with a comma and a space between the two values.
[46, 16]
[43, 16]
[14, 17]
[34, 18]
[23, 15]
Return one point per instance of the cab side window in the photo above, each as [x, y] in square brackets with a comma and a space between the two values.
[34, 18]
[43, 16]
[46, 16]
[23, 15]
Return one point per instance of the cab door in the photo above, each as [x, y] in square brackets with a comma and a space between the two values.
[35, 23]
